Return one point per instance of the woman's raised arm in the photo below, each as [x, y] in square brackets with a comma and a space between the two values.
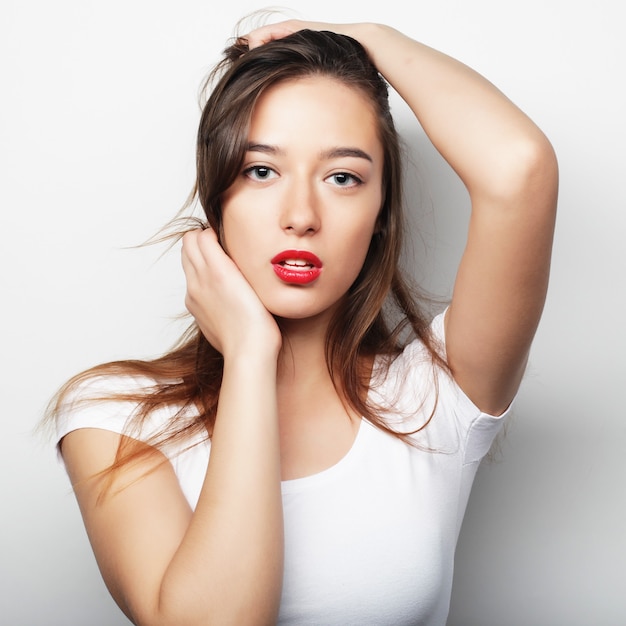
[511, 173]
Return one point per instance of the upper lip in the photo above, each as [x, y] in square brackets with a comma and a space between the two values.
[304, 255]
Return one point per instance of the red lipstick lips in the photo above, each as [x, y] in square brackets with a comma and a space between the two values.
[297, 267]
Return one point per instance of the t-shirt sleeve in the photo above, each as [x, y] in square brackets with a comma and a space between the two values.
[476, 428]
[89, 405]
[419, 397]
[83, 409]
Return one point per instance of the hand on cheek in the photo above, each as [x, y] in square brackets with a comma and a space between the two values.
[226, 308]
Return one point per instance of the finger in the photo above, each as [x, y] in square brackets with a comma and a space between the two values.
[192, 256]
[199, 242]
[202, 255]
[209, 246]
[270, 32]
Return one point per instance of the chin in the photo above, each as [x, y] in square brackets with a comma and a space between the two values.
[302, 311]
[299, 303]
[300, 314]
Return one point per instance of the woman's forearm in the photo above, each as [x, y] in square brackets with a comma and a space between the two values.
[228, 568]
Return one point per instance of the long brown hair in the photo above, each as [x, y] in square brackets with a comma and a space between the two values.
[379, 313]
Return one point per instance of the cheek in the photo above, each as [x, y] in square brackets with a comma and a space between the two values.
[235, 243]
[240, 227]
[355, 247]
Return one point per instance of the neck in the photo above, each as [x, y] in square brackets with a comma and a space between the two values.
[303, 376]
[302, 357]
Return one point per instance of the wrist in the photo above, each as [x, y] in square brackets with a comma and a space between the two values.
[261, 350]
[370, 35]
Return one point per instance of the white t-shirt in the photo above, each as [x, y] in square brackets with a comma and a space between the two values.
[371, 540]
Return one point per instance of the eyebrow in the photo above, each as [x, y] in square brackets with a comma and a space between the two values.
[332, 153]
[335, 153]
[265, 148]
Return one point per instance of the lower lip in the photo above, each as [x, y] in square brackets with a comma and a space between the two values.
[296, 276]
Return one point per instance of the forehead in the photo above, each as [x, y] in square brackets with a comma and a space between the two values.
[315, 110]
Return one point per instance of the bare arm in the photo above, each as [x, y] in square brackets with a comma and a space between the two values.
[510, 171]
[221, 564]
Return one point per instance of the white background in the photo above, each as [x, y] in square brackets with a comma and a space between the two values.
[97, 128]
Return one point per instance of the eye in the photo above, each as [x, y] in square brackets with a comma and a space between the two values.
[259, 173]
[343, 179]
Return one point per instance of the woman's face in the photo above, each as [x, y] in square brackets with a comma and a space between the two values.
[299, 218]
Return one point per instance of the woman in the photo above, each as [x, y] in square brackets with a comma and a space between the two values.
[341, 451]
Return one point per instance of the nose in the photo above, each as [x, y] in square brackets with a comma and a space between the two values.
[300, 212]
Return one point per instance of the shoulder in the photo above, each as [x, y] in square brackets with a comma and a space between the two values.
[416, 392]
[404, 386]
[416, 363]
[109, 402]
[99, 413]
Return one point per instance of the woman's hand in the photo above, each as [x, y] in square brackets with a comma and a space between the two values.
[270, 32]
[226, 308]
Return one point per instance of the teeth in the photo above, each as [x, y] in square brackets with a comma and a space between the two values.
[297, 262]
